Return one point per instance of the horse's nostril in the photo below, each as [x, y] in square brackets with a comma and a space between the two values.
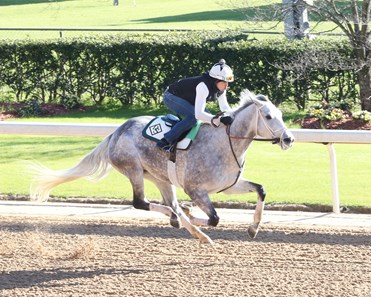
[288, 140]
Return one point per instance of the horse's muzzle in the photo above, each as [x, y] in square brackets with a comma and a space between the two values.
[287, 139]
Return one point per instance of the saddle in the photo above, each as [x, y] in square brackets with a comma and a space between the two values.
[160, 125]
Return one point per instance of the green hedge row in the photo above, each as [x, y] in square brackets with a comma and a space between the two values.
[136, 69]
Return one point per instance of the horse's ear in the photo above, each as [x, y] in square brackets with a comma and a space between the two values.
[262, 97]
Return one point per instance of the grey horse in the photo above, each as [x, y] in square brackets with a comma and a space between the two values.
[212, 164]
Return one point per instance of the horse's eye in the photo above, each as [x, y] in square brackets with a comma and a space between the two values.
[268, 117]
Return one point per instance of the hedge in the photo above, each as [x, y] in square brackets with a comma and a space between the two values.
[136, 68]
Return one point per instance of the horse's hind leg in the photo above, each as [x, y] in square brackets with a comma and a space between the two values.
[134, 173]
[169, 196]
[245, 186]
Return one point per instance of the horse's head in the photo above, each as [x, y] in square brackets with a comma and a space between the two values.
[269, 123]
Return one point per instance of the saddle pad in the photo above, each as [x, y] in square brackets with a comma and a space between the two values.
[157, 127]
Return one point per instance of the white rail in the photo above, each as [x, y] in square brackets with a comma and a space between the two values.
[66, 129]
[332, 136]
[328, 137]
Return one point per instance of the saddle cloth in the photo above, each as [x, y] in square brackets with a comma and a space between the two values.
[157, 127]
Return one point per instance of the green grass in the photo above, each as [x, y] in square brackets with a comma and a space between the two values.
[146, 14]
[300, 175]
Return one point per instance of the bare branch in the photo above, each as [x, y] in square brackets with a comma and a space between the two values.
[328, 31]
[352, 17]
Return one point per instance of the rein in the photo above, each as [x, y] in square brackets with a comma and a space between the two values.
[230, 137]
[240, 166]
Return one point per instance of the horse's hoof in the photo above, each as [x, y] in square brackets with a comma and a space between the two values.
[252, 231]
[174, 221]
[186, 209]
[206, 240]
[175, 224]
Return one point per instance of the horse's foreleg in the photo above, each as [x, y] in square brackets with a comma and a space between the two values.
[169, 196]
[194, 220]
[185, 220]
[195, 231]
[202, 200]
[244, 186]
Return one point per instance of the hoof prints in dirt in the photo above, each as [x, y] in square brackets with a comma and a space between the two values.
[53, 257]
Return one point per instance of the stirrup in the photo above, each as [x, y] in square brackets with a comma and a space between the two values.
[165, 146]
[168, 148]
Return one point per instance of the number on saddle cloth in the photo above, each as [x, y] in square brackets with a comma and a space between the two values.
[157, 127]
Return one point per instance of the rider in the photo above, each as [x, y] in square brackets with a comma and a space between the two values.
[187, 97]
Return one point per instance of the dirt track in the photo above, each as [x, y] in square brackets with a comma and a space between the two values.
[122, 257]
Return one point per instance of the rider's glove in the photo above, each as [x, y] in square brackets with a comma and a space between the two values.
[227, 120]
[219, 118]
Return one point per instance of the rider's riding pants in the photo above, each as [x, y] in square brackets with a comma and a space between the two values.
[183, 108]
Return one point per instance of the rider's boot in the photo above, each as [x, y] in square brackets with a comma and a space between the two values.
[164, 145]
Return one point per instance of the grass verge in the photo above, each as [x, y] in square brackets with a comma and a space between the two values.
[300, 175]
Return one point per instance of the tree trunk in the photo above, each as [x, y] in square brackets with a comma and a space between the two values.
[364, 78]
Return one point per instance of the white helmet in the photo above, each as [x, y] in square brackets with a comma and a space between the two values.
[222, 71]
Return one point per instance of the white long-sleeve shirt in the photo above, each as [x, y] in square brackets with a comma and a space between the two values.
[200, 103]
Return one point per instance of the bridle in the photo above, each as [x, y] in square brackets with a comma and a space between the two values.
[274, 140]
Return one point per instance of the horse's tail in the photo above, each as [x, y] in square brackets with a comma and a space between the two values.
[93, 166]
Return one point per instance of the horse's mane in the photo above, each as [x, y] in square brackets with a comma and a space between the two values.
[246, 99]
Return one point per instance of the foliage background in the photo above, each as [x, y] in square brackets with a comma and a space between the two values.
[136, 69]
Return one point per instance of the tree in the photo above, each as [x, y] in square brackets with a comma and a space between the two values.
[353, 18]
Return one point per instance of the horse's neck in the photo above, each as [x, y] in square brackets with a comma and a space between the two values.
[245, 123]
[243, 129]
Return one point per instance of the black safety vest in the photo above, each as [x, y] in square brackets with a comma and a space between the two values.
[186, 88]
